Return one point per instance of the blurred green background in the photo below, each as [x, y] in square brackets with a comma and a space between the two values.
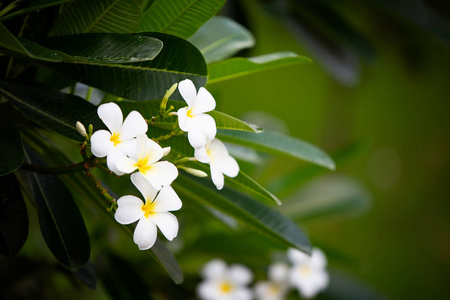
[398, 110]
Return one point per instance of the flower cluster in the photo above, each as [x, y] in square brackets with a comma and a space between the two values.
[307, 275]
[128, 150]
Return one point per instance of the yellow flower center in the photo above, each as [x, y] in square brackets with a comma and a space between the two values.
[143, 165]
[305, 270]
[189, 113]
[115, 138]
[148, 208]
[273, 289]
[225, 287]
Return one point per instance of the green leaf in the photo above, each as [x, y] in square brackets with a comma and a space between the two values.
[239, 66]
[11, 150]
[36, 5]
[328, 196]
[44, 106]
[13, 217]
[104, 48]
[61, 223]
[87, 275]
[277, 143]
[83, 16]
[220, 38]
[181, 18]
[242, 208]
[151, 108]
[146, 80]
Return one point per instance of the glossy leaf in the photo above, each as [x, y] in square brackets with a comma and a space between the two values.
[34, 6]
[87, 275]
[11, 150]
[220, 38]
[236, 67]
[244, 209]
[151, 108]
[146, 80]
[13, 217]
[279, 144]
[61, 223]
[83, 16]
[181, 18]
[52, 109]
[103, 48]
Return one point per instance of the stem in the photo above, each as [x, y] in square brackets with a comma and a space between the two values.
[103, 191]
[167, 136]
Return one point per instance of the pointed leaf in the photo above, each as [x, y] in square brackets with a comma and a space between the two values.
[13, 217]
[239, 66]
[277, 143]
[220, 38]
[146, 80]
[181, 18]
[52, 109]
[11, 150]
[244, 209]
[82, 16]
[87, 275]
[36, 5]
[61, 223]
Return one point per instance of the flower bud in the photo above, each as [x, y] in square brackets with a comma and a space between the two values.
[80, 128]
[194, 172]
[166, 151]
[167, 95]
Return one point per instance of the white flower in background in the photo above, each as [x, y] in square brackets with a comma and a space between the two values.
[192, 118]
[277, 286]
[121, 137]
[225, 283]
[308, 274]
[145, 158]
[151, 213]
[215, 153]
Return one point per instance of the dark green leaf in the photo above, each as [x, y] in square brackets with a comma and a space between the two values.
[36, 5]
[13, 217]
[61, 223]
[181, 18]
[87, 275]
[277, 143]
[220, 38]
[52, 109]
[146, 80]
[239, 66]
[83, 16]
[11, 150]
[242, 208]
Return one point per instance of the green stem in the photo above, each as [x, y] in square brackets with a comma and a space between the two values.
[167, 136]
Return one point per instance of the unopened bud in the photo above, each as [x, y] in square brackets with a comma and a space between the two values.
[166, 151]
[80, 128]
[194, 172]
[167, 95]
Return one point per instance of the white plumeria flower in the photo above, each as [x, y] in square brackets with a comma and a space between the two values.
[225, 283]
[145, 159]
[121, 137]
[154, 212]
[216, 154]
[308, 274]
[277, 286]
[192, 118]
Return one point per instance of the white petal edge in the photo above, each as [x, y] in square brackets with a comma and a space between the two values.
[129, 209]
[167, 200]
[215, 269]
[207, 124]
[202, 155]
[196, 137]
[227, 165]
[205, 101]
[217, 178]
[112, 158]
[101, 143]
[111, 115]
[148, 192]
[126, 165]
[188, 91]
[240, 274]
[145, 233]
[133, 126]
[183, 120]
[167, 224]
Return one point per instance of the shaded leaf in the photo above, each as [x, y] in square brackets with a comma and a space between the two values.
[220, 38]
[61, 223]
[11, 150]
[13, 217]
[87, 275]
[146, 80]
[82, 16]
[36, 5]
[239, 66]
[181, 18]
[244, 209]
[277, 143]
[52, 109]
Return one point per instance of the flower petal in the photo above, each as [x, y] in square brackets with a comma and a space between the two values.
[129, 148]
[240, 274]
[133, 126]
[125, 164]
[183, 120]
[318, 259]
[188, 91]
[167, 223]
[215, 269]
[196, 137]
[141, 146]
[129, 209]
[226, 164]
[101, 143]
[154, 151]
[112, 158]
[204, 102]
[207, 125]
[202, 155]
[296, 256]
[217, 148]
[167, 200]
[145, 233]
[217, 177]
[111, 115]
[243, 294]
[278, 272]
[146, 189]
[161, 173]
